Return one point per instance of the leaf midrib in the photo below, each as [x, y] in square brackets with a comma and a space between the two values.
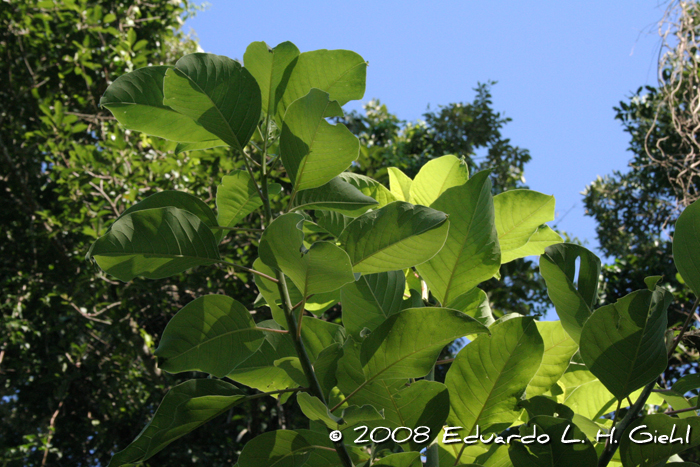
[228, 125]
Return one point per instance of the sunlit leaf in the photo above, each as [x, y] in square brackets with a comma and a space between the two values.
[437, 176]
[471, 253]
[399, 184]
[397, 236]
[271, 68]
[573, 302]
[336, 195]
[558, 350]
[136, 101]
[217, 93]
[623, 343]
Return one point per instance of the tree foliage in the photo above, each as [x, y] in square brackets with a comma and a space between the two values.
[443, 232]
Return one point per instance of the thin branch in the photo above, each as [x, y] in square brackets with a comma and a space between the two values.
[252, 271]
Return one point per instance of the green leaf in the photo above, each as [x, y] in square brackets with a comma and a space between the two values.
[332, 222]
[184, 147]
[213, 333]
[323, 452]
[535, 246]
[399, 184]
[316, 304]
[554, 452]
[519, 214]
[402, 459]
[340, 73]
[336, 195]
[687, 383]
[573, 302]
[436, 177]
[155, 243]
[369, 187]
[176, 199]
[488, 377]
[279, 448]
[651, 453]
[471, 253]
[475, 303]
[314, 151]
[180, 200]
[316, 410]
[397, 236]
[543, 405]
[686, 243]
[323, 268]
[237, 197]
[136, 101]
[423, 403]
[558, 350]
[584, 393]
[623, 343]
[271, 68]
[185, 407]
[259, 370]
[216, 92]
[407, 344]
[371, 299]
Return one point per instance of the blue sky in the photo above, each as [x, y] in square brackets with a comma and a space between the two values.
[560, 67]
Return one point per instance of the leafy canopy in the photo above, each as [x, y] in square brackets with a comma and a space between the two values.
[380, 254]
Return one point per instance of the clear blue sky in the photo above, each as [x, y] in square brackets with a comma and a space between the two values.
[560, 67]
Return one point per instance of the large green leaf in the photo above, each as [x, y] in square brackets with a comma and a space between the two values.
[316, 304]
[340, 73]
[436, 177]
[558, 350]
[555, 452]
[237, 196]
[399, 184]
[686, 244]
[519, 214]
[535, 246]
[623, 343]
[332, 222]
[180, 200]
[213, 333]
[177, 199]
[407, 344]
[475, 303]
[573, 302]
[584, 393]
[155, 243]
[217, 93]
[371, 299]
[184, 408]
[316, 410]
[370, 187]
[648, 454]
[471, 253]
[259, 370]
[336, 195]
[423, 403]
[280, 448]
[488, 377]
[314, 151]
[397, 236]
[271, 69]
[323, 268]
[136, 101]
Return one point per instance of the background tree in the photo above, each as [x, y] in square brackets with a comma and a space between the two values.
[76, 358]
